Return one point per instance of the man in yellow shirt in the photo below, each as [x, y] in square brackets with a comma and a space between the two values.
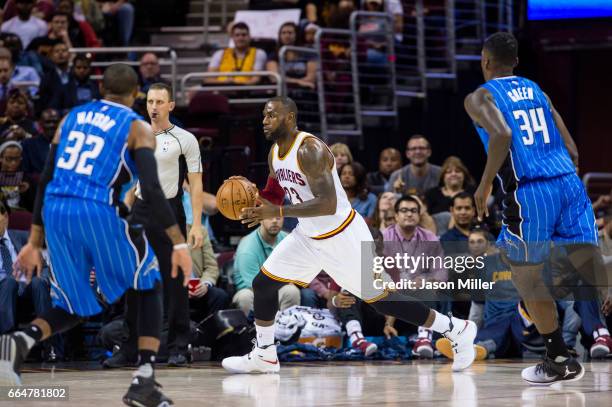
[241, 58]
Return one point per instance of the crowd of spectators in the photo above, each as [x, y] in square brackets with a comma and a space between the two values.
[418, 203]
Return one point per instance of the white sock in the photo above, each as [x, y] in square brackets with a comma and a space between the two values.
[265, 335]
[600, 332]
[145, 370]
[424, 333]
[354, 331]
[441, 323]
[30, 342]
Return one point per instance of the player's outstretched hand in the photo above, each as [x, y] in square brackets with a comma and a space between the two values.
[181, 259]
[196, 237]
[480, 199]
[29, 261]
[265, 210]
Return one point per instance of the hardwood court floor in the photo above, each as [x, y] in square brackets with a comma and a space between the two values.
[494, 383]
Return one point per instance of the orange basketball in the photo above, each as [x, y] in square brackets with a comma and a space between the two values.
[234, 195]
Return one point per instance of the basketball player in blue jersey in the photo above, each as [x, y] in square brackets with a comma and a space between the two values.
[98, 147]
[534, 157]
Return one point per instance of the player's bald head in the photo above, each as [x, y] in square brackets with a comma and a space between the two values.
[120, 80]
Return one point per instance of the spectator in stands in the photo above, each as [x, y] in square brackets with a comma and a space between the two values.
[241, 58]
[346, 307]
[353, 180]
[427, 221]
[89, 11]
[17, 295]
[300, 69]
[502, 332]
[406, 236]
[419, 175]
[251, 254]
[16, 187]
[390, 160]
[11, 75]
[149, 70]
[602, 207]
[36, 148]
[455, 178]
[206, 299]
[384, 214]
[309, 35]
[54, 80]
[36, 56]
[463, 216]
[42, 9]
[16, 114]
[342, 154]
[78, 26]
[374, 27]
[24, 24]
[59, 29]
[80, 88]
[121, 12]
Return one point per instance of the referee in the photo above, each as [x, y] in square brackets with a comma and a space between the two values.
[178, 156]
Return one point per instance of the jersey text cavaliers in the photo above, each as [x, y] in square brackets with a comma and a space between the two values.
[284, 174]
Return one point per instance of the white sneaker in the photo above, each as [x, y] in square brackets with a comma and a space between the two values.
[259, 360]
[462, 337]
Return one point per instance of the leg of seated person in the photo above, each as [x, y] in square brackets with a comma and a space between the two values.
[8, 304]
[309, 298]
[125, 19]
[40, 295]
[214, 300]
[244, 300]
[288, 296]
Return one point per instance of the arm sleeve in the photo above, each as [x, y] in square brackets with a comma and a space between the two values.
[45, 178]
[150, 188]
[260, 60]
[273, 192]
[215, 61]
[192, 154]
[210, 272]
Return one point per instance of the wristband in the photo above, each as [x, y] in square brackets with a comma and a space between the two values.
[180, 246]
[334, 301]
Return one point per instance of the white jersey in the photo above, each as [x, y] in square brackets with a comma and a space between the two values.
[177, 152]
[292, 179]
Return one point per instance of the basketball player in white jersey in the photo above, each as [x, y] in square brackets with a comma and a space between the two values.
[328, 237]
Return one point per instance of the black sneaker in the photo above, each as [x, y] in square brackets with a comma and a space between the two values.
[145, 392]
[119, 359]
[13, 351]
[179, 360]
[548, 372]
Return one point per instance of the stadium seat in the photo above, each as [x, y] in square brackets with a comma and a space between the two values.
[207, 116]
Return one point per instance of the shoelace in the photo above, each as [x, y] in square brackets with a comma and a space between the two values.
[545, 367]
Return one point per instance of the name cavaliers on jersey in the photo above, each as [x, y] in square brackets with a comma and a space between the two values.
[286, 175]
[295, 183]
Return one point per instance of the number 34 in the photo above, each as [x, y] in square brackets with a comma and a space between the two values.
[75, 158]
[537, 123]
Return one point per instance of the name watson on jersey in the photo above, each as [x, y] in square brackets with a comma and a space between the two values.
[406, 284]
